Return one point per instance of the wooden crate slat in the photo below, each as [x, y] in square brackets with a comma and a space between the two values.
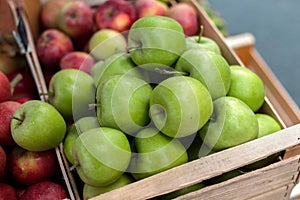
[282, 193]
[207, 167]
[253, 184]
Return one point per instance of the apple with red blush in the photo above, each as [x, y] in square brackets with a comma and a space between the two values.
[5, 88]
[7, 109]
[23, 98]
[115, 14]
[8, 192]
[49, 13]
[76, 19]
[3, 159]
[150, 7]
[187, 16]
[23, 86]
[51, 46]
[77, 60]
[45, 190]
[29, 167]
[5, 176]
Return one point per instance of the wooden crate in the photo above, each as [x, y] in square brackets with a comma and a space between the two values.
[272, 182]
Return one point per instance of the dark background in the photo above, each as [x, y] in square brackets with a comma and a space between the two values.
[275, 25]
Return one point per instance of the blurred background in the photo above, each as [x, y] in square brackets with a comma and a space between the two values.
[275, 26]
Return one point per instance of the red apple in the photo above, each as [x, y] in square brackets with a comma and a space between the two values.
[28, 167]
[45, 190]
[2, 160]
[115, 14]
[150, 7]
[4, 87]
[49, 13]
[186, 15]
[52, 45]
[76, 19]
[7, 109]
[77, 60]
[24, 97]
[5, 176]
[8, 192]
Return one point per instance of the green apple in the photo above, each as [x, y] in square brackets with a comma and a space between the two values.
[92, 191]
[209, 68]
[180, 106]
[155, 152]
[37, 126]
[71, 136]
[97, 154]
[232, 123]
[106, 42]
[156, 40]
[70, 92]
[117, 64]
[123, 103]
[266, 124]
[74, 130]
[204, 43]
[86, 123]
[247, 86]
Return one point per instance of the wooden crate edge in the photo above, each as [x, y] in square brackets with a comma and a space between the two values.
[255, 184]
[207, 167]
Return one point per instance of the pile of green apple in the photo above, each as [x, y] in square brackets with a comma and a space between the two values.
[154, 99]
[135, 91]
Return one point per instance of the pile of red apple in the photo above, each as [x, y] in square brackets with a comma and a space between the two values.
[24, 174]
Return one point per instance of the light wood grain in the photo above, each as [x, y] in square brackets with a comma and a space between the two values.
[273, 182]
[282, 192]
[207, 167]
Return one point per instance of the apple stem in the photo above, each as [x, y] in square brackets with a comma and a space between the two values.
[16, 118]
[200, 33]
[164, 71]
[15, 81]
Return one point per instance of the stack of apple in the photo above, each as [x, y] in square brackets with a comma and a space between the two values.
[139, 92]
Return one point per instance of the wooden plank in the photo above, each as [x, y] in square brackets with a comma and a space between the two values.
[276, 193]
[208, 167]
[271, 182]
